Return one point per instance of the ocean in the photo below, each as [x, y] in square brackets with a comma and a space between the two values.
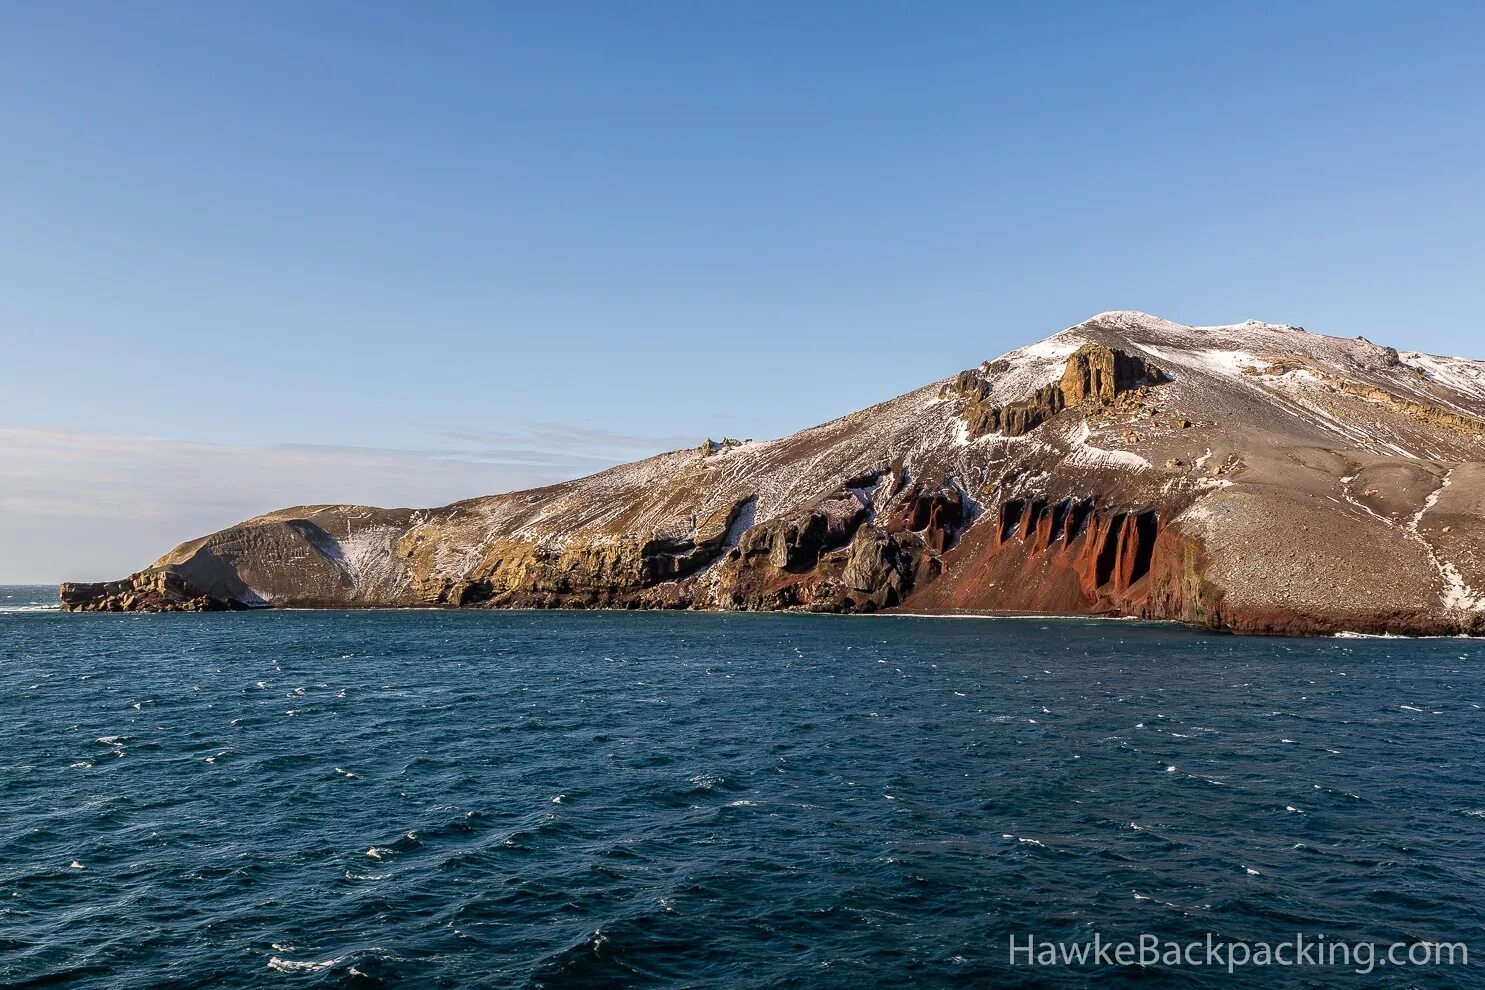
[519, 799]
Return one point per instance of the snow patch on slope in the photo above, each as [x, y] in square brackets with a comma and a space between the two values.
[1213, 360]
[1457, 596]
[1016, 375]
[367, 557]
[1082, 454]
[1463, 375]
[747, 515]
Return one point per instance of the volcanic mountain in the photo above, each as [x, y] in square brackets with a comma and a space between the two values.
[1252, 478]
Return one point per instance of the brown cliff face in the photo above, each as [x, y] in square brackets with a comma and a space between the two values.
[1097, 373]
[1230, 477]
[1094, 373]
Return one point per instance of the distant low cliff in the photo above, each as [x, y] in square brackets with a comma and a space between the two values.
[1251, 478]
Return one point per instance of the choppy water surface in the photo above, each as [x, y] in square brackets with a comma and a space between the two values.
[564, 800]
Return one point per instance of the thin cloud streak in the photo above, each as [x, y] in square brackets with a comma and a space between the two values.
[91, 505]
[593, 442]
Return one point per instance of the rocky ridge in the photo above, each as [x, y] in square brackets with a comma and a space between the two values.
[1251, 478]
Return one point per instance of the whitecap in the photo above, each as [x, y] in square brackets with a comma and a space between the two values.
[281, 965]
[707, 781]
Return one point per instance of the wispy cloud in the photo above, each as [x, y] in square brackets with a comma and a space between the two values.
[582, 442]
[84, 505]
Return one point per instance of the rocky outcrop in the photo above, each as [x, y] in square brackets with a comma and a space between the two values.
[880, 570]
[1094, 373]
[1231, 477]
[147, 591]
[1428, 413]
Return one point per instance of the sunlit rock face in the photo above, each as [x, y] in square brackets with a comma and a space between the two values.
[1254, 478]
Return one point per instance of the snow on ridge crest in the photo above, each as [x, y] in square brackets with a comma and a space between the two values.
[1131, 319]
[1016, 375]
[1230, 351]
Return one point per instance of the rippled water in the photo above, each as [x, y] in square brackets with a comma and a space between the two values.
[301, 799]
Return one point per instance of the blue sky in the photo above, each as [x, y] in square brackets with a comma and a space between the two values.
[492, 244]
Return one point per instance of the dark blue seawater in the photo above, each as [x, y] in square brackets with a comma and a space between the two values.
[459, 799]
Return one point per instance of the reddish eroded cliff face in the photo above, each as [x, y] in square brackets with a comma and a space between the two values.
[1071, 557]
[1038, 555]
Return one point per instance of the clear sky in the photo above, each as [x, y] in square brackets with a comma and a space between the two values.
[267, 253]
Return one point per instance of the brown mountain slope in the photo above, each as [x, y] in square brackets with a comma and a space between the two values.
[1253, 477]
